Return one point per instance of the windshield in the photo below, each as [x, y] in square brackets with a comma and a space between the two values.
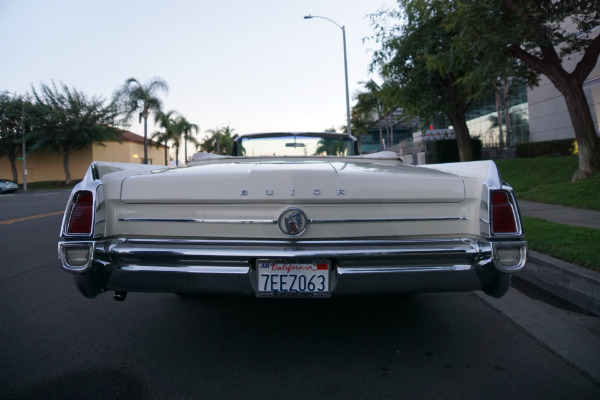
[296, 145]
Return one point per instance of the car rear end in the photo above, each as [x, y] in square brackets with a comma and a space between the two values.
[275, 231]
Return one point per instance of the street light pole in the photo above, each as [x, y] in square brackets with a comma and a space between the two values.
[24, 144]
[343, 28]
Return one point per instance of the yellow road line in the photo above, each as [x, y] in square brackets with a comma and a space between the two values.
[10, 221]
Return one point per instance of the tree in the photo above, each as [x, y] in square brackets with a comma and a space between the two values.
[133, 97]
[368, 102]
[67, 121]
[413, 80]
[185, 128]
[541, 34]
[220, 141]
[167, 122]
[13, 112]
[331, 147]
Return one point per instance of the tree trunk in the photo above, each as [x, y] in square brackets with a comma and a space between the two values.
[499, 117]
[585, 131]
[66, 167]
[13, 166]
[463, 138]
[507, 113]
[459, 120]
[381, 141]
[145, 116]
[166, 157]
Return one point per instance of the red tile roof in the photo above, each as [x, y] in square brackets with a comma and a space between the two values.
[127, 136]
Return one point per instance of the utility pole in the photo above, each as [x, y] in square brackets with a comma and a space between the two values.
[24, 145]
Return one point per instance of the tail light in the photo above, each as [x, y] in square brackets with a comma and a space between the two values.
[82, 213]
[504, 219]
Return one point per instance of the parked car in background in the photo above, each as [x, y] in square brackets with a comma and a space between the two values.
[7, 186]
[292, 215]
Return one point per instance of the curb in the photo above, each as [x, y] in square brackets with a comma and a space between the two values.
[572, 283]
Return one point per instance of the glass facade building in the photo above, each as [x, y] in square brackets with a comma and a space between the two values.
[482, 118]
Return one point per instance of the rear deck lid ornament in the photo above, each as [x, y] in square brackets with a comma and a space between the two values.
[292, 222]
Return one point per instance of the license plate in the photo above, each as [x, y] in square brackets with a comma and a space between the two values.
[285, 278]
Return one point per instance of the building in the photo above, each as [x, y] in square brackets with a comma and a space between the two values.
[386, 133]
[42, 166]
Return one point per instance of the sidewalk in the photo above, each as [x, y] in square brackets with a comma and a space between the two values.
[575, 284]
[560, 214]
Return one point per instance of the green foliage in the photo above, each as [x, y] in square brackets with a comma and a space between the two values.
[413, 83]
[220, 141]
[548, 180]
[68, 120]
[540, 35]
[577, 245]
[446, 151]
[11, 114]
[14, 112]
[184, 131]
[423, 65]
[371, 102]
[552, 148]
[166, 121]
[135, 97]
[331, 147]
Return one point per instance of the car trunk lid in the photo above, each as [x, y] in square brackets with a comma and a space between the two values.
[293, 181]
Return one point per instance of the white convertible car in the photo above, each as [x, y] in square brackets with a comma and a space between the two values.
[292, 215]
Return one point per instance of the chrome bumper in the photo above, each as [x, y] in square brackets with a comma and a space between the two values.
[228, 267]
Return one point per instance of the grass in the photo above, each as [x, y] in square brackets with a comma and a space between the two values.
[573, 244]
[548, 180]
[48, 185]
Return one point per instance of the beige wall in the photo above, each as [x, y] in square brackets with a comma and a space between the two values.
[49, 167]
[126, 151]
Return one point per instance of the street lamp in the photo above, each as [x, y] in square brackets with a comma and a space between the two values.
[349, 127]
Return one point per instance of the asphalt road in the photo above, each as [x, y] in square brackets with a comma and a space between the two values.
[56, 344]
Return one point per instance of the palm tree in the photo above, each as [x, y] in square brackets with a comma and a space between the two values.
[220, 141]
[367, 103]
[134, 97]
[331, 147]
[186, 128]
[375, 99]
[166, 122]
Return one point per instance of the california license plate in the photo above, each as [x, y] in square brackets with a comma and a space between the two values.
[285, 278]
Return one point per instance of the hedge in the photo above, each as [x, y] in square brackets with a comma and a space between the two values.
[445, 151]
[551, 148]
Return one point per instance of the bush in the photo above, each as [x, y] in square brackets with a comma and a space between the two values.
[445, 151]
[552, 148]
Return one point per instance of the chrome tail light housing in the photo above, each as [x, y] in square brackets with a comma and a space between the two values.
[80, 214]
[504, 214]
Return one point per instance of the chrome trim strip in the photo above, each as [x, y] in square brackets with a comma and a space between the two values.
[387, 270]
[352, 243]
[333, 221]
[188, 269]
[202, 220]
[273, 221]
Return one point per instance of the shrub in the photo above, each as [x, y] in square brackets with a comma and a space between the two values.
[552, 148]
[445, 151]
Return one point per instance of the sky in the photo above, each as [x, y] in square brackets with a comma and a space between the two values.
[256, 66]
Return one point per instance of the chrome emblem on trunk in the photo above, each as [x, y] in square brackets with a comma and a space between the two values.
[292, 222]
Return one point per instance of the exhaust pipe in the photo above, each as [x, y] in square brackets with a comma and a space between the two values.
[120, 295]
